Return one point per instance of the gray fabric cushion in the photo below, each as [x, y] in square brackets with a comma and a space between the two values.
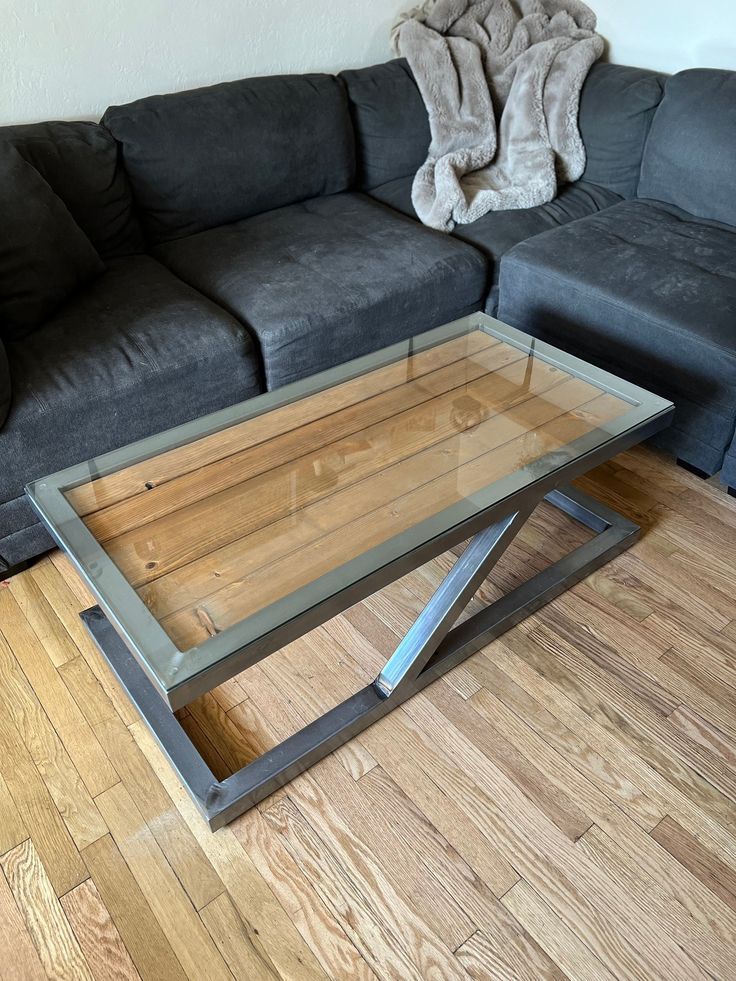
[617, 106]
[392, 128]
[728, 471]
[44, 255]
[80, 163]
[390, 121]
[691, 151]
[330, 279]
[499, 231]
[137, 352]
[22, 536]
[211, 156]
[648, 292]
[5, 385]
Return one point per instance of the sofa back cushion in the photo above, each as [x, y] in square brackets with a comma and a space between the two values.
[215, 155]
[390, 121]
[690, 155]
[79, 161]
[617, 106]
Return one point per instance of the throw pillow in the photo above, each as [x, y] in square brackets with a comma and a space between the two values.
[44, 255]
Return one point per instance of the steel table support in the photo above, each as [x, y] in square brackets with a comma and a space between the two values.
[430, 648]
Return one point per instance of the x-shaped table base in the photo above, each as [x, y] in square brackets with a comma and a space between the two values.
[431, 647]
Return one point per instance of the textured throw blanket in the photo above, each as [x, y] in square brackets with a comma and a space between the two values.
[501, 80]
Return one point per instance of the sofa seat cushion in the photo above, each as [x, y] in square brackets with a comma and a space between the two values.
[497, 232]
[137, 352]
[330, 279]
[646, 291]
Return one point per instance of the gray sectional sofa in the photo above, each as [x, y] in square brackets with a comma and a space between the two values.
[258, 231]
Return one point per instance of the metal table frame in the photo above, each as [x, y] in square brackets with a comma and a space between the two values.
[159, 678]
[431, 647]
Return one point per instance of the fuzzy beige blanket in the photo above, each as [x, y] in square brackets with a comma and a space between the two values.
[501, 80]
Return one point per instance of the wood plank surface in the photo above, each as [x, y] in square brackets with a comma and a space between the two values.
[243, 512]
[563, 805]
[123, 484]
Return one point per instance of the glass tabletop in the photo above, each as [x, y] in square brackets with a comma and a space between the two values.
[200, 541]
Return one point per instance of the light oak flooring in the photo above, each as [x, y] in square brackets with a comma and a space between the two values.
[561, 805]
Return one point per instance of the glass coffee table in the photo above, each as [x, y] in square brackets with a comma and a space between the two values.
[213, 545]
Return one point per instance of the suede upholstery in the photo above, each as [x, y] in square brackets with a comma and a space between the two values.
[44, 255]
[139, 351]
[267, 261]
[496, 233]
[691, 150]
[216, 155]
[646, 291]
[330, 279]
[391, 125]
[617, 107]
[80, 163]
[6, 387]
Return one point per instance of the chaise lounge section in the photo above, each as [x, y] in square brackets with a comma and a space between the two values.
[647, 288]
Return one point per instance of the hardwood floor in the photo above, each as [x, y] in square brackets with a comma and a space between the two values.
[561, 805]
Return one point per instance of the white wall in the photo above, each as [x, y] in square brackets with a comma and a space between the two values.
[669, 35]
[69, 59]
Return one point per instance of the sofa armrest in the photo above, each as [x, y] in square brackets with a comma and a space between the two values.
[4, 385]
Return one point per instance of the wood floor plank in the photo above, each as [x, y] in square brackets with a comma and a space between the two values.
[53, 938]
[336, 954]
[12, 828]
[37, 610]
[252, 895]
[361, 899]
[144, 939]
[38, 812]
[240, 947]
[566, 949]
[698, 941]
[183, 853]
[20, 958]
[593, 905]
[97, 935]
[63, 600]
[18, 701]
[38, 665]
[602, 772]
[484, 959]
[560, 697]
[476, 851]
[704, 733]
[163, 892]
[715, 874]
[556, 653]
